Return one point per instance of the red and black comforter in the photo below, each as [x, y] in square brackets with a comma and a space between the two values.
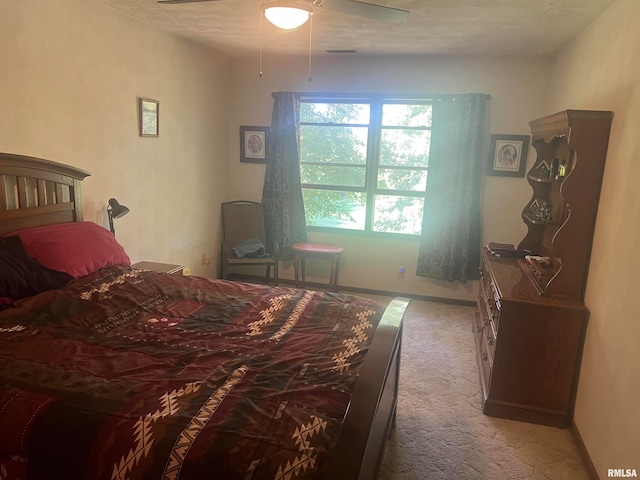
[141, 375]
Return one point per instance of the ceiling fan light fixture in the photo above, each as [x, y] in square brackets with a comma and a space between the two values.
[287, 15]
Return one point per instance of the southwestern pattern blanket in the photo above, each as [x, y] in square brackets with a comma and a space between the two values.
[140, 375]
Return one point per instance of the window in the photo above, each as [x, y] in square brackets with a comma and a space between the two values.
[363, 163]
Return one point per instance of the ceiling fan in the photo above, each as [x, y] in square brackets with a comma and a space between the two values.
[351, 7]
[291, 14]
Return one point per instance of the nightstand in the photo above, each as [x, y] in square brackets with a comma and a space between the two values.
[160, 267]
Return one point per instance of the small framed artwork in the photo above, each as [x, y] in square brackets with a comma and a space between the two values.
[508, 156]
[149, 117]
[253, 144]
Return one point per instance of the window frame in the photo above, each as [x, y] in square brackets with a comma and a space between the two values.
[372, 163]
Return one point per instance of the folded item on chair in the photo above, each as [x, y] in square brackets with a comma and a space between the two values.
[250, 248]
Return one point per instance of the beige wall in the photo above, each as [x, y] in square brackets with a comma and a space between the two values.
[69, 82]
[518, 86]
[600, 70]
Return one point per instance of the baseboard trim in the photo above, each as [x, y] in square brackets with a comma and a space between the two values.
[342, 288]
[525, 413]
[591, 468]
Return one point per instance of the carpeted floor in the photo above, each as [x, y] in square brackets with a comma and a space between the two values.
[441, 432]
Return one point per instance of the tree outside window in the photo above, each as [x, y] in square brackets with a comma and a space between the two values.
[364, 162]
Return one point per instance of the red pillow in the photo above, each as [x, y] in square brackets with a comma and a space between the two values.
[78, 248]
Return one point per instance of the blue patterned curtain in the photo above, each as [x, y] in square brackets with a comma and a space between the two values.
[282, 192]
[451, 231]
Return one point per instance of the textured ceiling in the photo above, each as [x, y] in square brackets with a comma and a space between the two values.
[493, 27]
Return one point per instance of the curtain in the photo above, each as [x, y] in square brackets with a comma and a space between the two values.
[282, 192]
[451, 231]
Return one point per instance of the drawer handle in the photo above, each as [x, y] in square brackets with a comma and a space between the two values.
[489, 339]
[485, 357]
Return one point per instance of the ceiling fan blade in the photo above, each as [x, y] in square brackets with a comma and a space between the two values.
[185, 1]
[362, 9]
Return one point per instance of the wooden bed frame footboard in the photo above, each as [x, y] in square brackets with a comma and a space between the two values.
[36, 192]
[369, 422]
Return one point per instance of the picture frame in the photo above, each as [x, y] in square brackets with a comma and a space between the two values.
[149, 117]
[253, 144]
[508, 157]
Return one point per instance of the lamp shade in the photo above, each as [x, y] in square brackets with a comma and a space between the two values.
[117, 210]
[287, 15]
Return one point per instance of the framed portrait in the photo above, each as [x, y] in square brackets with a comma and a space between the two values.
[253, 144]
[508, 157]
[149, 117]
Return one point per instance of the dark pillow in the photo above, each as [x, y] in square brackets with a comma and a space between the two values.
[78, 248]
[22, 276]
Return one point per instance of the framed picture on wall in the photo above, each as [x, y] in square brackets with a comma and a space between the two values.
[149, 117]
[253, 144]
[508, 157]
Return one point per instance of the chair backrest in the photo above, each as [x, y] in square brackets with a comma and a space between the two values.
[242, 220]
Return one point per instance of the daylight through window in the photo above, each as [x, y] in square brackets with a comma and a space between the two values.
[363, 163]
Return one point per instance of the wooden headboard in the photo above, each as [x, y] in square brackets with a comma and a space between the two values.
[36, 192]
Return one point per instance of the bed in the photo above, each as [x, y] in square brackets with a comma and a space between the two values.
[107, 371]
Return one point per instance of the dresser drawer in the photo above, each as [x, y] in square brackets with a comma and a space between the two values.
[490, 312]
[486, 361]
[489, 338]
[477, 324]
[495, 305]
[490, 298]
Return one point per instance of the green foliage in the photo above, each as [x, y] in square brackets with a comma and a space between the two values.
[323, 204]
[334, 148]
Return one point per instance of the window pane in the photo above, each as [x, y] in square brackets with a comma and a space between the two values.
[402, 179]
[320, 112]
[396, 214]
[326, 208]
[405, 147]
[335, 154]
[330, 144]
[405, 115]
[333, 175]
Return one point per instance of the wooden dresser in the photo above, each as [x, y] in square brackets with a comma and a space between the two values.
[528, 346]
[530, 319]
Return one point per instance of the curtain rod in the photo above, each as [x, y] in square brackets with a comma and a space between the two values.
[421, 96]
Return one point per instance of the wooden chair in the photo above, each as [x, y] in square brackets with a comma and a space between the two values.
[243, 220]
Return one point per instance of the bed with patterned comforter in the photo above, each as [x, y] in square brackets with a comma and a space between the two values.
[142, 375]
